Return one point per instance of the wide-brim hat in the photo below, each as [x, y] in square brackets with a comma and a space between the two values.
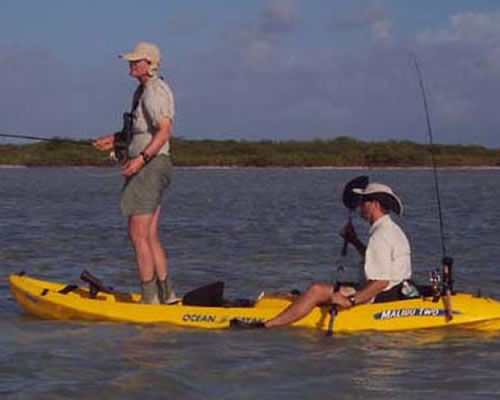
[143, 51]
[383, 194]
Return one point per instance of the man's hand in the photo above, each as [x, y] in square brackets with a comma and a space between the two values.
[105, 142]
[350, 236]
[349, 233]
[338, 298]
[132, 166]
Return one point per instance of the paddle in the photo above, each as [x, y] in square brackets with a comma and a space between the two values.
[351, 201]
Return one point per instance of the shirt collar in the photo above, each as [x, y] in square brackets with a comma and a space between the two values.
[382, 220]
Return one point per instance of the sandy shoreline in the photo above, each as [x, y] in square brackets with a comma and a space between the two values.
[485, 167]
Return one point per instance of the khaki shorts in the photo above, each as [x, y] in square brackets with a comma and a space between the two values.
[143, 192]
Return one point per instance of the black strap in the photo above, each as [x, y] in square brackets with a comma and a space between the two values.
[95, 285]
[124, 137]
[137, 98]
[67, 289]
[392, 294]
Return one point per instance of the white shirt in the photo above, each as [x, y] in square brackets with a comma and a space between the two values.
[155, 104]
[388, 255]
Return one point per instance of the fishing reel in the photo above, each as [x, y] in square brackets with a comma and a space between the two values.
[119, 154]
[435, 279]
[122, 140]
[442, 282]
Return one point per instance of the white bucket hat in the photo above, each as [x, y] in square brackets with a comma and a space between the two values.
[384, 194]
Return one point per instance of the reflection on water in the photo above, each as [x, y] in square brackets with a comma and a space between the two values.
[257, 230]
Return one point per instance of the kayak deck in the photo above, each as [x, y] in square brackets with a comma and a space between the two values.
[46, 299]
[43, 299]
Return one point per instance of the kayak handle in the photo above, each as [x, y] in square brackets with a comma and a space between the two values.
[95, 285]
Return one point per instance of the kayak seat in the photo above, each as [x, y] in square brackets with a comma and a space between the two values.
[425, 290]
[211, 295]
[395, 294]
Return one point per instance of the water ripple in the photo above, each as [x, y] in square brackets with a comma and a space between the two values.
[256, 229]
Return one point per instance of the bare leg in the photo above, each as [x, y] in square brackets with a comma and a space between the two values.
[316, 294]
[159, 256]
[139, 234]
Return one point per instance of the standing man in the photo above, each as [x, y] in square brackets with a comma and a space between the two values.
[387, 261]
[146, 168]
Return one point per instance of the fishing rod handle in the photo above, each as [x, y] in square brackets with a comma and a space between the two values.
[346, 242]
[344, 248]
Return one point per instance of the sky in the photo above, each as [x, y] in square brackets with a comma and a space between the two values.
[258, 69]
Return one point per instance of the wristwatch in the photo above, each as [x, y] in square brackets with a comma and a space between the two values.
[146, 157]
[352, 300]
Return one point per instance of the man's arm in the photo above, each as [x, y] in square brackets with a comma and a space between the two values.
[371, 289]
[161, 136]
[350, 235]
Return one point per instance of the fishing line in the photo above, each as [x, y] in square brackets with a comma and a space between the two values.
[15, 136]
[62, 140]
[431, 148]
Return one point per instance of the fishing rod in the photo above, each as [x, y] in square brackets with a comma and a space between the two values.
[116, 155]
[447, 262]
[59, 140]
[350, 201]
[433, 160]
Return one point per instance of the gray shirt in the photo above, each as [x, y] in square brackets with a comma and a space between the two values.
[155, 104]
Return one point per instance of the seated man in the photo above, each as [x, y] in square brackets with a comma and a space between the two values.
[387, 260]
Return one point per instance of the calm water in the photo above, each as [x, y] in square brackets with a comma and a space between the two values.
[274, 229]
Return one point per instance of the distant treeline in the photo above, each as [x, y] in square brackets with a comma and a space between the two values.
[339, 152]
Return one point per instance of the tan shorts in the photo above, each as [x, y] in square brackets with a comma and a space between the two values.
[143, 192]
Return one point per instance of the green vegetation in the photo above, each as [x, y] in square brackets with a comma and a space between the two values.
[340, 152]
[56, 153]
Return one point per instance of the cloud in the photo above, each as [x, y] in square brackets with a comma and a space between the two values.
[463, 64]
[257, 52]
[185, 22]
[372, 20]
[258, 88]
[250, 80]
[381, 32]
[465, 29]
[359, 19]
[279, 16]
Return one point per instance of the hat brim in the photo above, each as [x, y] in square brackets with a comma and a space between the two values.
[388, 200]
[133, 56]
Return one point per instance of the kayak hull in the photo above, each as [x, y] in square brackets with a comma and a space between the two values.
[43, 299]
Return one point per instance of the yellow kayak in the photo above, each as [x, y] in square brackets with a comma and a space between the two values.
[52, 300]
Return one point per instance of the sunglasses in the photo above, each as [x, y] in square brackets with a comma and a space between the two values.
[135, 62]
